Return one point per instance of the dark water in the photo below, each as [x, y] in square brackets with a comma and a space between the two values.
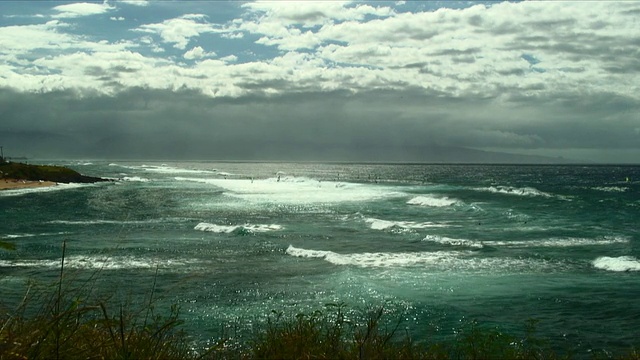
[436, 245]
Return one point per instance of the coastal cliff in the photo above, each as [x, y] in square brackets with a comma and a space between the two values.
[50, 173]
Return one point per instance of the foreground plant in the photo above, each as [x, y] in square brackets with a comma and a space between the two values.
[64, 324]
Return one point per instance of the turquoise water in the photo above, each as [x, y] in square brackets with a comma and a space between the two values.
[436, 245]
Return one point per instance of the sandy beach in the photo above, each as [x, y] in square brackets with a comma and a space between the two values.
[9, 184]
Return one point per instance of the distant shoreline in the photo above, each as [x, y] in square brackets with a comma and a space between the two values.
[14, 184]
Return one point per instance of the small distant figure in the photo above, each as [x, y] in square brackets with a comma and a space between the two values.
[627, 179]
[278, 178]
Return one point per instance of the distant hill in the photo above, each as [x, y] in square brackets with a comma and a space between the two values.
[20, 171]
[46, 145]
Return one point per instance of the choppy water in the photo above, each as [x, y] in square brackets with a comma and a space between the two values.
[434, 244]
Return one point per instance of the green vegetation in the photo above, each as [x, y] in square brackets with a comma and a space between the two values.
[14, 170]
[64, 322]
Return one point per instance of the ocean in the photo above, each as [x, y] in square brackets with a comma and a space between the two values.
[435, 245]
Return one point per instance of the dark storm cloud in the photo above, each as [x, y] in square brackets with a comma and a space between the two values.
[142, 123]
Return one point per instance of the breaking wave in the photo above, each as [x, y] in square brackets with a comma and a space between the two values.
[508, 190]
[453, 242]
[100, 262]
[610, 188]
[43, 189]
[135, 179]
[297, 190]
[165, 169]
[560, 242]
[551, 242]
[437, 261]
[618, 264]
[246, 228]
[378, 224]
[424, 200]
[18, 236]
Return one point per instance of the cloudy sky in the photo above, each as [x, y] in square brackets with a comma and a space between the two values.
[320, 80]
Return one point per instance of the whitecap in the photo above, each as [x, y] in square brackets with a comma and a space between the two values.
[119, 222]
[460, 261]
[610, 188]
[42, 189]
[259, 228]
[508, 190]
[165, 169]
[99, 262]
[560, 242]
[135, 179]
[453, 242]
[18, 236]
[618, 264]
[376, 259]
[94, 222]
[425, 200]
[297, 190]
[378, 224]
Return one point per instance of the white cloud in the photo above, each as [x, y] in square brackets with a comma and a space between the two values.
[119, 18]
[477, 51]
[229, 58]
[81, 9]
[179, 31]
[197, 53]
[135, 2]
[311, 13]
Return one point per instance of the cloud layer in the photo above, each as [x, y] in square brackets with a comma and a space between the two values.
[548, 78]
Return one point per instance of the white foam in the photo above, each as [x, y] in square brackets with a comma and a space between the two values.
[525, 191]
[375, 259]
[460, 261]
[18, 236]
[42, 189]
[378, 224]
[560, 242]
[165, 169]
[621, 263]
[93, 222]
[611, 188]
[115, 222]
[432, 201]
[135, 179]
[98, 262]
[232, 228]
[297, 190]
[453, 242]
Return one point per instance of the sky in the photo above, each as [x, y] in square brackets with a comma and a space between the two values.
[321, 80]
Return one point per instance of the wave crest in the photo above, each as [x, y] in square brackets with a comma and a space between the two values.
[618, 264]
[509, 190]
[242, 229]
[378, 224]
[432, 201]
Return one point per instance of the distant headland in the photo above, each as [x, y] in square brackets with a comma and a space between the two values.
[15, 175]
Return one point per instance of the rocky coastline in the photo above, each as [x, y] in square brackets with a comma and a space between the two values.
[14, 175]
